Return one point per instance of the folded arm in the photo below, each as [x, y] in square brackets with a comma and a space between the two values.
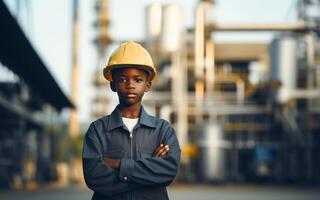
[98, 176]
[159, 170]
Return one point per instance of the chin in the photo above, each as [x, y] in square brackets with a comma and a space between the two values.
[129, 103]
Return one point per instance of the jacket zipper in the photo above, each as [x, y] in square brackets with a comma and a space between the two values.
[131, 151]
[131, 154]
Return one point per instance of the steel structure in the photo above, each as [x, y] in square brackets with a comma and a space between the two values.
[100, 100]
[30, 101]
[268, 136]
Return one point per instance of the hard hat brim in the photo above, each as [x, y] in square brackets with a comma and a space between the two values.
[107, 71]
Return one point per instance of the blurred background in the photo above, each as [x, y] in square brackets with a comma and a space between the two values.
[238, 79]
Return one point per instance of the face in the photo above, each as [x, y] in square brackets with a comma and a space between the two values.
[130, 85]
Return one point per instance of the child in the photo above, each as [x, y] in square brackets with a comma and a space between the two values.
[130, 154]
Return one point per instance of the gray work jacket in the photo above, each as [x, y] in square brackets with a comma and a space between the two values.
[140, 176]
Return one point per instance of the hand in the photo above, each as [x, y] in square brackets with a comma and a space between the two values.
[113, 163]
[162, 150]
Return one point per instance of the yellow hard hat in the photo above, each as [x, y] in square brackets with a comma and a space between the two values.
[130, 53]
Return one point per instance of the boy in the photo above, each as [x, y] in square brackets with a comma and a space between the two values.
[130, 154]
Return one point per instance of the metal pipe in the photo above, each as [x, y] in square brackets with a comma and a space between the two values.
[306, 93]
[310, 49]
[299, 26]
[199, 51]
[73, 123]
[240, 85]
[210, 66]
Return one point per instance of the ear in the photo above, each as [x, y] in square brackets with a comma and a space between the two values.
[148, 86]
[113, 86]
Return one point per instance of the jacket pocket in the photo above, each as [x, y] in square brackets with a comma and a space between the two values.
[146, 152]
[114, 153]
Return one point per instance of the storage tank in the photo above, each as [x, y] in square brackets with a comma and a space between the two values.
[284, 56]
[154, 15]
[171, 27]
[212, 146]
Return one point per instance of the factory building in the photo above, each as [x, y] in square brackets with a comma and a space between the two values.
[30, 104]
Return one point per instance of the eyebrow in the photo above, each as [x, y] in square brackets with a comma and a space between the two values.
[135, 76]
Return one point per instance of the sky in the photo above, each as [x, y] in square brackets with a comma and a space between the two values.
[47, 24]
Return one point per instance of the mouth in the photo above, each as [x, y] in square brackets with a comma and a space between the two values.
[131, 95]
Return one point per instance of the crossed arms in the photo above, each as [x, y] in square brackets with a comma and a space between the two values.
[162, 150]
[110, 176]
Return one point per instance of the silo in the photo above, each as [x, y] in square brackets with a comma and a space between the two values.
[171, 27]
[154, 15]
[283, 55]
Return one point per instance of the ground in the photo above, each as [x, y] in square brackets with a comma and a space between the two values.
[177, 192]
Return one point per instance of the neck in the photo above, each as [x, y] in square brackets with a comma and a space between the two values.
[130, 111]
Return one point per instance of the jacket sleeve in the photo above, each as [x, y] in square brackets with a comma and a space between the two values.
[154, 170]
[98, 176]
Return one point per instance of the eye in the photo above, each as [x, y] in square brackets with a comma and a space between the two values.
[139, 80]
[122, 80]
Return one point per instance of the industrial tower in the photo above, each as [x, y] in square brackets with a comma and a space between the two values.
[99, 102]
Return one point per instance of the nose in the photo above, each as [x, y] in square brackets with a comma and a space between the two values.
[130, 84]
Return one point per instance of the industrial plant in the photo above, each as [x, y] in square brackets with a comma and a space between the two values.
[244, 112]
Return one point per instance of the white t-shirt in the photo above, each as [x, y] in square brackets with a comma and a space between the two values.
[130, 122]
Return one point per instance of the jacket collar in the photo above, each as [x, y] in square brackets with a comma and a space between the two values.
[115, 119]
